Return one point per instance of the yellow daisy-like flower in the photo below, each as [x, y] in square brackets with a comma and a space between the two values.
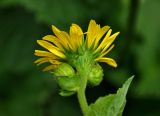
[61, 46]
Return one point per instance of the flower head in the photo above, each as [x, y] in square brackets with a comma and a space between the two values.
[66, 47]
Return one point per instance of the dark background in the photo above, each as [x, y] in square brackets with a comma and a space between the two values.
[27, 91]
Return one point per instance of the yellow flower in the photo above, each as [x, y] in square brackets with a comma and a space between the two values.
[62, 45]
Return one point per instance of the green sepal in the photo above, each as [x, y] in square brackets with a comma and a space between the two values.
[95, 76]
[66, 93]
[110, 105]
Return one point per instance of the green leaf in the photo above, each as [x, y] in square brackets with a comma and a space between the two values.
[110, 105]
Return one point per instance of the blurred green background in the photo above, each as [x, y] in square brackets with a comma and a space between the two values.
[27, 91]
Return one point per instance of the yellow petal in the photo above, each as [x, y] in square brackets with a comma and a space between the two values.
[76, 36]
[92, 25]
[94, 35]
[66, 38]
[46, 59]
[50, 67]
[63, 36]
[107, 41]
[51, 48]
[55, 30]
[53, 61]
[79, 32]
[43, 53]
[73, 38]
[41, 61]
[92, 32]
[106, 37]
[110, 40]
[54, 40]
[109, 61]
[77, 28]
[104, 41]
[103, 53]
[100, 34]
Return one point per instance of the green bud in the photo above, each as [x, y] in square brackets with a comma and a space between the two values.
[66, 79]
[96, 75]
[68, 84]
[64, 69]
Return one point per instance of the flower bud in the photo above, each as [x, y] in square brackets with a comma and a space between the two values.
[66, 79]
[64, 69]
[68, 84]
[96, 75]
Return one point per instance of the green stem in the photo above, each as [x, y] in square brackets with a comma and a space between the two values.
[81, 96]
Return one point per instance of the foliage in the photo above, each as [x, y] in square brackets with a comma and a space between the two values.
[111, 105]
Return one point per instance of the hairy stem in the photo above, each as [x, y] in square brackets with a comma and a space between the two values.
[81, 95]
